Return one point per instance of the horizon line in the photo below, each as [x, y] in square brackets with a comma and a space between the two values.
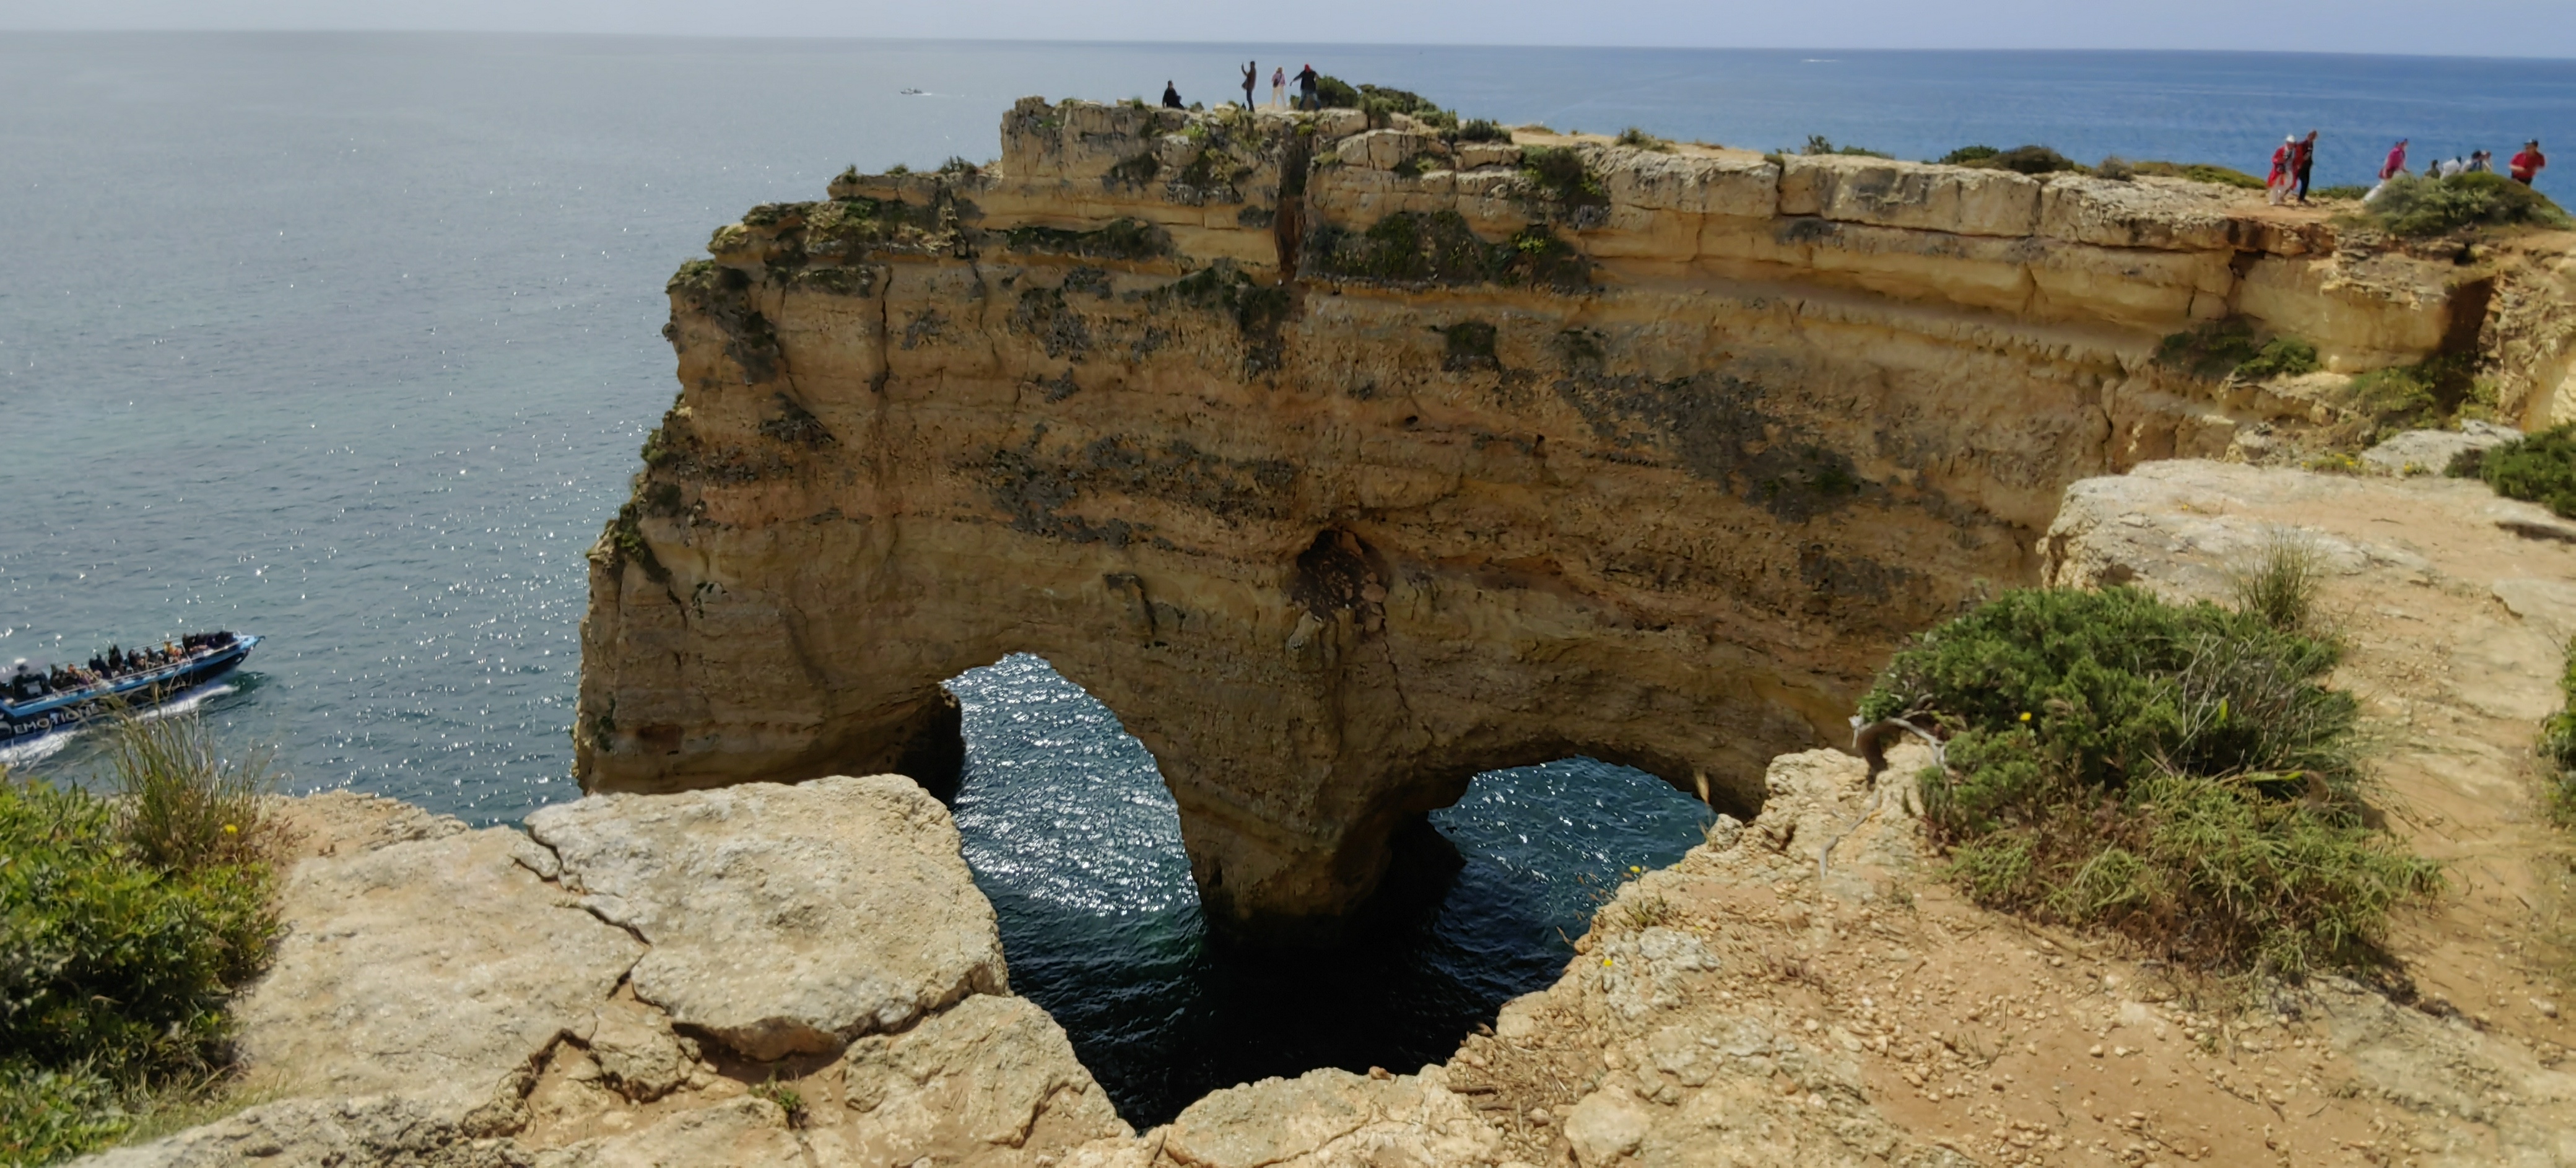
[1237, 44]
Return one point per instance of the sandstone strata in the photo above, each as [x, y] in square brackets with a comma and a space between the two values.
[1343, 463]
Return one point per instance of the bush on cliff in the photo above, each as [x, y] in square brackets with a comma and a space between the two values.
[2417, 207]
[2536, 468]
[2020, 159]
[2228, 348]
[1818, 145]
[2175, 773]
[2430, 395]
[2200, 172]
[125, 925]
[2558, 746]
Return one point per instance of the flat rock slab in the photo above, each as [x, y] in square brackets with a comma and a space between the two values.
[437, 967]
[785, 919]
[379, 1130]
[2431, 451]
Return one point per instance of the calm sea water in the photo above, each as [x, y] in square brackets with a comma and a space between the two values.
[351, 340]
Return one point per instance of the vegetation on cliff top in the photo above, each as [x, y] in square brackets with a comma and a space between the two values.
[2536, 468]
[2558, 746]
[125, 925]
[2176, 773]
[2416, 207]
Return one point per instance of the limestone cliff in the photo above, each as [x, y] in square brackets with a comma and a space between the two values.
[1344, 463]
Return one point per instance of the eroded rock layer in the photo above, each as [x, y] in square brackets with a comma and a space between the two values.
[1344, 463]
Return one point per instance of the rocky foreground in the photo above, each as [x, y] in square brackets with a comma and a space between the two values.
[806, 975]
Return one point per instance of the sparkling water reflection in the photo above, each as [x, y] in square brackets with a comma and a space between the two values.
[1072, 834]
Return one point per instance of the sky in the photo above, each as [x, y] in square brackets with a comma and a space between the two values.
[2474, 28]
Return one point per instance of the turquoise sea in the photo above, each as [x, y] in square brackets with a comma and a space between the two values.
[350, 340]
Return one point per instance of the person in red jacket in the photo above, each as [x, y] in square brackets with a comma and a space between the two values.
[2277, 186]
[2396, 164]
[2303, 163]
[2526, 165]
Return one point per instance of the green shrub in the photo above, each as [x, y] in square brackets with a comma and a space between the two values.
[2558, 746]
[1967, 154]
[1413, 247]
[2416, 207]
[2426, 396]
[2280, 586]
[2280, 357]
[1481, 130]
[2228, 348]
[1335, 93]
[2115, 168]
[1558, 177]
[182, 806]
[957, 165]
[2176, 773]
[125, 925]
[1818, 144]
[48, 1115]
[2203, 172]
[2537, 468]
[2031, 160]
[1637, 137]
[2345, 193]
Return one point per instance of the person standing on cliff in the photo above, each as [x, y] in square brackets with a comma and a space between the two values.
[2276, 186]
[1251, 75]
[2395, 166]
[1279, 87]
[1171, 96]
[2305, 161]
[2526, 165]
[1306, 88]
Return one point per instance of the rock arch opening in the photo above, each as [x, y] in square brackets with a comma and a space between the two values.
[1074, 836]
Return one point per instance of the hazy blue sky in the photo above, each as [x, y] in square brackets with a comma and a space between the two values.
[2541, 28]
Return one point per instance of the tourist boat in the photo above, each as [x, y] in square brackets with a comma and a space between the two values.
[30, 708]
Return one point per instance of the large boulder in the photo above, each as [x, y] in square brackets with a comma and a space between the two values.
[2431, 451]
[785, 919]
[425, 961]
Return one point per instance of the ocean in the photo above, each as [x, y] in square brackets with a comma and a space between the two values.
[350, 340]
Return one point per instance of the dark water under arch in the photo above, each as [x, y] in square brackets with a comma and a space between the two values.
[1072, 834]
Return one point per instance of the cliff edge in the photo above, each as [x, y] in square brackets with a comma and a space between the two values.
[1345, 462]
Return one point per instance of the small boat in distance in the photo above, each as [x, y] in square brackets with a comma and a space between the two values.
[37, 700]
[915, 93]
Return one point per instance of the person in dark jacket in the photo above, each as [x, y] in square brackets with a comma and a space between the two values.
[2304, 163]
[1171, 96]
[1306, 88]
[1251, 73]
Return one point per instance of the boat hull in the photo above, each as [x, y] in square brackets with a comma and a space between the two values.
[25, 722]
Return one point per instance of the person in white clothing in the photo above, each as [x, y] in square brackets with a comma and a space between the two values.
[1278, 87]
